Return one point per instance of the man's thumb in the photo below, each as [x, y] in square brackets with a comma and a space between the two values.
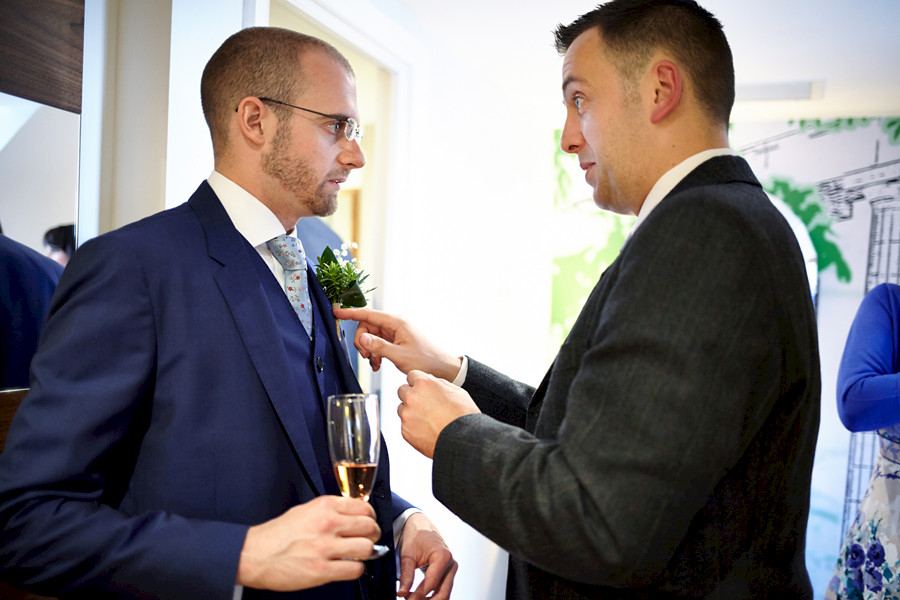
[372, 343]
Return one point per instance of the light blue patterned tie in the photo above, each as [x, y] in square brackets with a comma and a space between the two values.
[289, 252]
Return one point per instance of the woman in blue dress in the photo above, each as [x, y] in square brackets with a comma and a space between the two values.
[868, 396]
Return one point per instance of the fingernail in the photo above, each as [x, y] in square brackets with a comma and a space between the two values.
[365, 339]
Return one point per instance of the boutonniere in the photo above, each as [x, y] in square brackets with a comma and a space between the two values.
[341, 277]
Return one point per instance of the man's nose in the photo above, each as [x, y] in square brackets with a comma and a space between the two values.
[571, 140]
[352, 155]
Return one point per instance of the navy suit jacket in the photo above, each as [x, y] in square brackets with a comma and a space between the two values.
[27, 281]
[160, 424]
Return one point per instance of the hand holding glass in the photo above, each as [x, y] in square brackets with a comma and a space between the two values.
[354, 441]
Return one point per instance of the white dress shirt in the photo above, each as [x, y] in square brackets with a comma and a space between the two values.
[251, 218]
[671, 178]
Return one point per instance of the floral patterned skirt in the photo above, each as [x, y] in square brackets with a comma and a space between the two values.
[868, 565]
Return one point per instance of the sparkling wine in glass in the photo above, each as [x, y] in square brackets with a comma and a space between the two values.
[354, 441]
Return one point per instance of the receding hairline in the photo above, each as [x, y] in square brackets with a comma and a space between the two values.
[259, 62]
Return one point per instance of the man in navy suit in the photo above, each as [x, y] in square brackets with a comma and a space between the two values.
[667, 453]
[173, 443]
[27, 281]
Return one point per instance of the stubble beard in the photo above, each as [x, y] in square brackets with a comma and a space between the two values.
[298, 177]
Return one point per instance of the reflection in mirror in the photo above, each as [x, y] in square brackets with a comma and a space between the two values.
[38, 169]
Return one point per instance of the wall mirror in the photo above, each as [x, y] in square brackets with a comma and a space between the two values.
[41, 49]
[38, 168]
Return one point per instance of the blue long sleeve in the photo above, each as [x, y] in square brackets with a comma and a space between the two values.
[868, 384]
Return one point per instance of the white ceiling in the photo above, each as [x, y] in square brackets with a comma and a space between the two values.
[852, 47]
[14, 112]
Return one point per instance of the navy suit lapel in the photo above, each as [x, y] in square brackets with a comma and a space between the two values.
[239, 285]
[323, 311]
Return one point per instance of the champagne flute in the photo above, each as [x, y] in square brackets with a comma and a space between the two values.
[354, 442]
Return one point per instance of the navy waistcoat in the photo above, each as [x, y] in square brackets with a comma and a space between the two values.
[316, 374]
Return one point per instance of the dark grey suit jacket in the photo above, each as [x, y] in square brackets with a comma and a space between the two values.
[667, 452]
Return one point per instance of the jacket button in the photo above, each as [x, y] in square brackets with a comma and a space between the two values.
[319, 365]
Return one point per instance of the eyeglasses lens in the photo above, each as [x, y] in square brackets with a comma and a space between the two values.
[352, 130]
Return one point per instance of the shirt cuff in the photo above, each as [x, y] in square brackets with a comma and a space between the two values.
[400, 522]
[463, 371]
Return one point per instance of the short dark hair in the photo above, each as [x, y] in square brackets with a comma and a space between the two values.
[256, 61]
[634, 29]
[61, 238]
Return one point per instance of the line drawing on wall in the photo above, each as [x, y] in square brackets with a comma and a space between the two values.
[842, 177]
[879, 185]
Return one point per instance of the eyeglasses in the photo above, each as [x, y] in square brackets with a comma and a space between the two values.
[352, 130]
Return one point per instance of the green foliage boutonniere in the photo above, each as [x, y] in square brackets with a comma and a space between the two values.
[341, 277]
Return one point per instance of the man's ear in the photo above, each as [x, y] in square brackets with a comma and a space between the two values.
[667, 87]
[254, 120]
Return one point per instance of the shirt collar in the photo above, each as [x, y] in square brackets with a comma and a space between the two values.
[673, 177]
[251, 218]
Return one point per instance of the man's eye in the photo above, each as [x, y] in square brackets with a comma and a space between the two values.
[578, 102]
[336, 127]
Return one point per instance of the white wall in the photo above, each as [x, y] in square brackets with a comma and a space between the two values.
[123, 146]
[189, 149]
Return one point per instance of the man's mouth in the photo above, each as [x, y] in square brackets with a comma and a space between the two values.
[586, 167]
[337, 180]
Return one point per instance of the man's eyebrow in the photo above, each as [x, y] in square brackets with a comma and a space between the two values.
[570, 79]
[337, 116]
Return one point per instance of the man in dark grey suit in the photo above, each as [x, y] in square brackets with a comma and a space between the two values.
[667, 452]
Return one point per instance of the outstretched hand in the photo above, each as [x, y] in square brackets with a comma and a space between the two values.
[381, 335]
